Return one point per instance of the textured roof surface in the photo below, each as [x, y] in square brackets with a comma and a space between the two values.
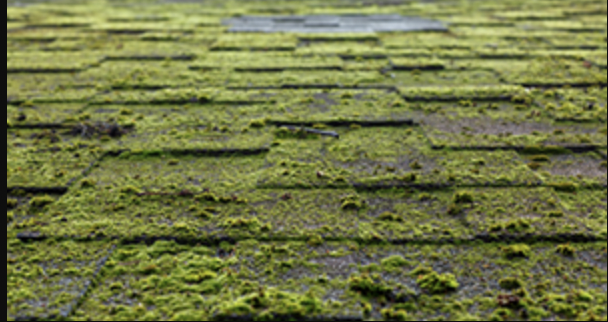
[332, 23]
[161, 167]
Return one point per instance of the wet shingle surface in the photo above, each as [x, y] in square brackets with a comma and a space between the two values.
[163, 166]
[334, 23]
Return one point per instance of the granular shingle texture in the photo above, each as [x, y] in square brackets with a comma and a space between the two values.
[334, 23]
[335, 160]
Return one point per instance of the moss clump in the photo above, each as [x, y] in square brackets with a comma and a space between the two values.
[196, 278]
[394, 262]
[410, 177]
[235, 309]
[149, 270]
[394, 315]
[116, 286]
[565, 187]
[518, 225]
[565, 309]
[241, 223]
[534, 166]
[509, 301]
[466, 103]
[366, 308]
[582, 296]
[435, 283]
[10, 216]
[130, 190]
[555, 214]
[183, 228]
[270, 305]
[495, 228]
[416, 165]
[173, 162]
[352, 202]
[257, 124]
[454, 209]
[501, 314]
[315, 240]
[11, 203]
[367, 286]
[398, 104]
[566, 250]
[522, 99]
[511, 283]
[540, 158]
[39, 202]
[516, 251]
[463, 198]
[203, 214]
[421, 271]
[390, 217]
[126, 111]
[207, 196]
[87, 183]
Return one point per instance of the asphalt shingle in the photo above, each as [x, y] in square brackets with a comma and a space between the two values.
[317, 160]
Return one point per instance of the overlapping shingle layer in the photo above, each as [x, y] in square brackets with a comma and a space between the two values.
[163, 167]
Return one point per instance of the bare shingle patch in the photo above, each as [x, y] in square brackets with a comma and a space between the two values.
[334, 24]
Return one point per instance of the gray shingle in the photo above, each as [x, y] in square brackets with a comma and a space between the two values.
[352, 23]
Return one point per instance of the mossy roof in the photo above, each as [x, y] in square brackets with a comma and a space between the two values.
[160, 167]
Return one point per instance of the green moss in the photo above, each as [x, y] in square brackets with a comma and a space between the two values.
[435, 283]
[10, 216]
[242, 223]
[555, 214]
[518, 225]
[368, 286]
[11, 203]
[203, 214]
[582, 296]
[235, 309]
[566, 250]
[511, 283]
[390, 217]
[315, 240]
[416, 165]
[463, 198]
[130, 190]
[421, 271]
[394, 315]
[258, 124]
[395, 261]
[116, 286]
[565, 186]
[126, 111]
[207, 196]
[516, 251]
[564, 309]
[39, 202]
[352, 202]
[87, 183]
[534, 166]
